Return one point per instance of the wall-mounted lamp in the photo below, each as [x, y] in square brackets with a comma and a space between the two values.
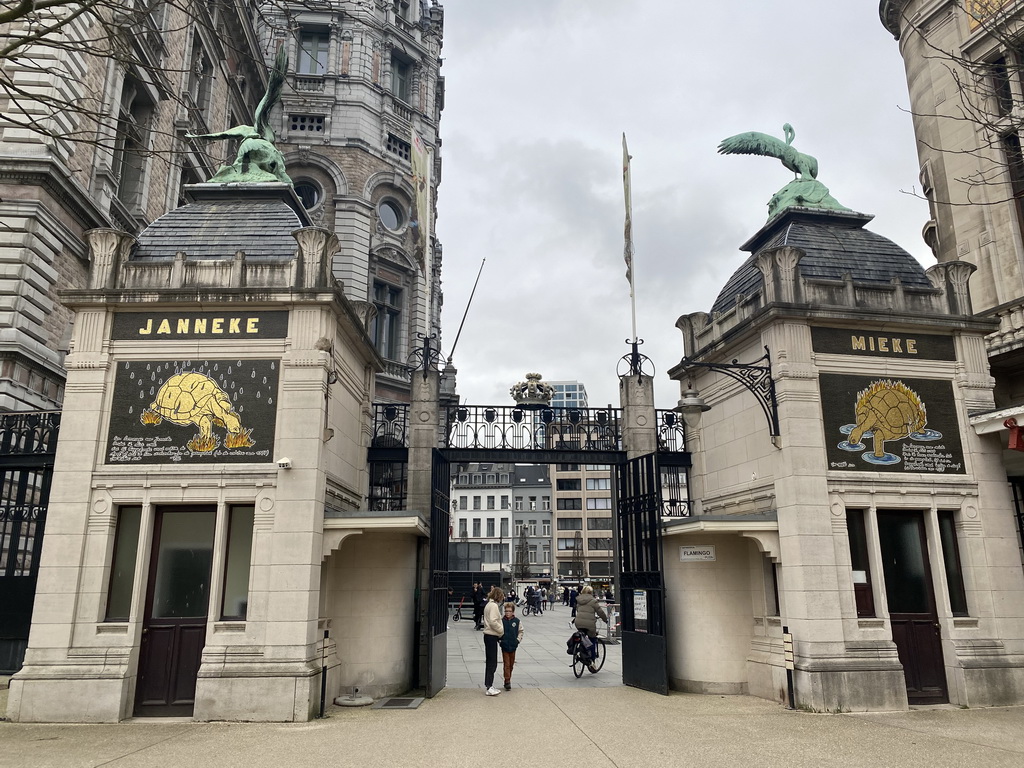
[284, 463]
[755, 376]
[691, 406]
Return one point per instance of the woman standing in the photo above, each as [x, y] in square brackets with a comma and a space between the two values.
[494, 628]
[587, 611]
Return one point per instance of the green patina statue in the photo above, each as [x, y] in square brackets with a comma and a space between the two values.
[258, 160]
[804, 191]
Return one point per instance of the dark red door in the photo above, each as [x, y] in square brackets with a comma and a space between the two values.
[177, 603]
[911, 601]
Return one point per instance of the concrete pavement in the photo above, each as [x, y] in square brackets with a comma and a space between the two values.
[541, 661]
[548, 719]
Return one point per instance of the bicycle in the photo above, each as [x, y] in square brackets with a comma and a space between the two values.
[531, 608]
[582, 659]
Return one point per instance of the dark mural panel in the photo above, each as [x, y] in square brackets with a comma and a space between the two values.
[193, 411]
[890, 424]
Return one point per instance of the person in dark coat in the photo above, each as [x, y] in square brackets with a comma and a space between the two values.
[510, 641]
[572, 602]
[479, 600]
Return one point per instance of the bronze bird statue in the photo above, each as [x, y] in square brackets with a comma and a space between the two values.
[754, 143]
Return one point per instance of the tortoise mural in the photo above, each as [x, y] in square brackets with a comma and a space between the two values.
[886, 410]
[194, 398]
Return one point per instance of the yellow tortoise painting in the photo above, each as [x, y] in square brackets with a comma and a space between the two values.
[194, 398]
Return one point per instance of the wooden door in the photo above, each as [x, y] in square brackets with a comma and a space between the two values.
[177, 603]
[911, 601]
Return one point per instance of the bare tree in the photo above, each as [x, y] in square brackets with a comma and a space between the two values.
[987, 92]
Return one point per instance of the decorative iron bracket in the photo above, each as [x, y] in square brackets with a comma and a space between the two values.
[755, 376]
[426, 357]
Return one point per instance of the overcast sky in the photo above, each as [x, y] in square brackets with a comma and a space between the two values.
[538, 94]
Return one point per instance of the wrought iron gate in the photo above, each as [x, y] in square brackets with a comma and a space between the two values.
[437, 605]
[642, 588]
[28, 442]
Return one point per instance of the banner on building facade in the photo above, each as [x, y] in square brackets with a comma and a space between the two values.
[166, 326]
[193, 411]
[890, 424]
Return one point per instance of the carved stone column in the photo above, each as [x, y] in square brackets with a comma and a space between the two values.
[108, 250]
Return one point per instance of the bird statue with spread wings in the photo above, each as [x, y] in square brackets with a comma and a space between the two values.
[258, 160]
[754, 143]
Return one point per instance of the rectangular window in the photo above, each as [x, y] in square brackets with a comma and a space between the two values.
[599, 543]
[463, 479]
[491, 479]
[504, 502]
[476, 502]
[504, 527]
[401, 79]
[532, 528]
[312, 53]
[463, 528]
[533, 503]
[504, 478]
[546, 554]
[490, 502]
[237, 561]
[1001, 86]
[599, 523]
[463, 502]
[478, 479]
[476, 527]
[859, 563]
[599, 483]
[570, 523]
[532, 554]
[951, 561]
[545, 503]
[546, 528]
[385, 328]
[771, 587]
[1015, 170]
[490, 527]
[569, 504]
[566, 544]
[599, 467]
[568, 485]
[519, 505]
[122, 571]
[599, 503]
[568, 467]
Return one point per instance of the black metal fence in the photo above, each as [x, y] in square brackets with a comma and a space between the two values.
[489, 427]
[28, 442]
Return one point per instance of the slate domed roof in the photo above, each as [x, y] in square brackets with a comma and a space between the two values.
[834, 243]
[222, 221]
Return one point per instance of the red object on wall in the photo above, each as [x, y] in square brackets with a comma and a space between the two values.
[1016, 442]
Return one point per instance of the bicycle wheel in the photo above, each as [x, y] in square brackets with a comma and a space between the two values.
[598, 662]
[579, 661]
[457, 616]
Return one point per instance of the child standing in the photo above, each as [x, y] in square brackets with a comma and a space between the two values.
[510, 641]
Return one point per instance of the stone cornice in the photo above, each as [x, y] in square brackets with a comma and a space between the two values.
[51, 176]
[889, 11]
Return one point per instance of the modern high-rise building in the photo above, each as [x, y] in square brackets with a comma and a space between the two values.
[568, 394]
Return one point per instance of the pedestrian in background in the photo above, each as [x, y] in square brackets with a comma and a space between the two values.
[510, 641]
[494, 628]
[572, 602]
[479, 599]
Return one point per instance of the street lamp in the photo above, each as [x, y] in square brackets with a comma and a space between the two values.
[755, 376]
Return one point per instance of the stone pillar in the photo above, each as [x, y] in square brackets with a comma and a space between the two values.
[639, 420]
[424, 419]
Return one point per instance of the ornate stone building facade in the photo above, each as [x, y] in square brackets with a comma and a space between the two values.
[91, 141]
[364, 105]
[965, 73]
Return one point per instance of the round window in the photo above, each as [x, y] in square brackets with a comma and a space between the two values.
[390, 215]
[309, 193]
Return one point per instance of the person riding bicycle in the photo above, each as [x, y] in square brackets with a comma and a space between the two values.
[587, 612]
